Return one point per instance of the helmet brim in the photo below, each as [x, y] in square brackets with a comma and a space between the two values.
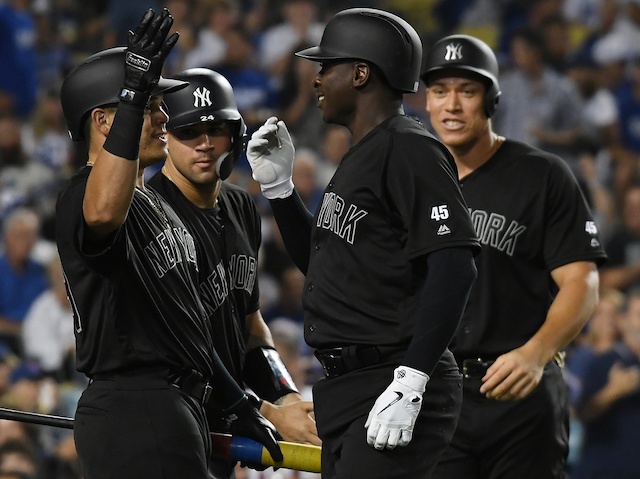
[167, 85]
[318, 54]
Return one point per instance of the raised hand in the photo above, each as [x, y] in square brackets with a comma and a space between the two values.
[147, 50]
[270, 154]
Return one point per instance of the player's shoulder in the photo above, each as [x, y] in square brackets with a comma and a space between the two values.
[408, 133]
[236, 197]
[529, 157]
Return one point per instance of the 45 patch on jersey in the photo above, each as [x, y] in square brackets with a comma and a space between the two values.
[441, 213]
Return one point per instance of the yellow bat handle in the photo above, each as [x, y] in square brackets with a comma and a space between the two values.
[301, 457]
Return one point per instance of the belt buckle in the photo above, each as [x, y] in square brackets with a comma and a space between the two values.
[331, 362]
[475, 368]
[206, 393]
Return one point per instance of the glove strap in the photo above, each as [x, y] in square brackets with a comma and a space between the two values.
[124, 137]
[134, 97]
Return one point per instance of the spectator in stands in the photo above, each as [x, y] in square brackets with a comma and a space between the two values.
[609, 406]
[538, 106]
[336, 141]
[22, 279]
[600, 335]
[47, 331]
[120, 14]
[211, 46]
[622, 270]
[305, 177]
[23, 182]
[255, 96]
[19, 459]
[289, 302]
[298, 100]
[300, 24]
[19, 72]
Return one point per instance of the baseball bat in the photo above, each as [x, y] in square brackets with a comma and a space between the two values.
[301, 457]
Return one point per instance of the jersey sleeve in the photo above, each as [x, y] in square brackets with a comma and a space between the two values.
[97, 254]
[423, 186]
[570, 230]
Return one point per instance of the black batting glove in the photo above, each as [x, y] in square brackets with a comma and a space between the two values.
[147, 50]
[248, 422]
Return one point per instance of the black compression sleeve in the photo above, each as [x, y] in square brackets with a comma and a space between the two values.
[294, 223]
[124, 137]
[450, 275]
[226, 392]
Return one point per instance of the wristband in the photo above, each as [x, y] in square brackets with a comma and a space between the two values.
[124, 137]
[265, 373]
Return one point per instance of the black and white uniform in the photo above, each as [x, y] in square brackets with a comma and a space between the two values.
[140, 327]
[393, 199]
[227, 279]
[531, 218]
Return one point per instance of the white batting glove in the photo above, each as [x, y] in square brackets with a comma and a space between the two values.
[391, 420]
[270, 153]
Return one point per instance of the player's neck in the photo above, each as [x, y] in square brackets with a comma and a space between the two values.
[473, 156]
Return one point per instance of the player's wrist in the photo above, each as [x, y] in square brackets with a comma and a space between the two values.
[411, 378]
[134, 97]
[123, 139]
[282, 189]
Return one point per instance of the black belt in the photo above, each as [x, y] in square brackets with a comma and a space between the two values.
[474, 368]
[338, 361]
[194, 384]
[191, 382]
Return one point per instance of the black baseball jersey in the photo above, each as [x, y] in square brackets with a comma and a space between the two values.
[531, 217]
[134, 295]
[394, 197]
[232, 229]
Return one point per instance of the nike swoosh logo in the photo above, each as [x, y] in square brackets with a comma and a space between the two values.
[392, 402]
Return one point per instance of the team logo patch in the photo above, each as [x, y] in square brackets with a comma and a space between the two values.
[453, 52]
[136, 61]
[201, 97]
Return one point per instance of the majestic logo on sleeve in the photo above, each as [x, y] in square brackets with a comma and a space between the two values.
[496, 231]
[335, 216]
[591, 228]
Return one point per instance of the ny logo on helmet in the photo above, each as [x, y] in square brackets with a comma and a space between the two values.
[201, 97]
[454, 52]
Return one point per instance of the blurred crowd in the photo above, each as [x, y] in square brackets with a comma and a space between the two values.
[570, 81]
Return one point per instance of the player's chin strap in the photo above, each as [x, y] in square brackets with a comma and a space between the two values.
[227, 160]
[265, 373]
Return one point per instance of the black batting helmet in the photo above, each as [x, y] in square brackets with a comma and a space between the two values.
[97, 82]
[208, 97]
[376, 36]
[464, 52]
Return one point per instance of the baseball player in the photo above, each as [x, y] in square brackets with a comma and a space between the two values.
[537, 277]
[142, 335]
[388, 256]
[206, 135]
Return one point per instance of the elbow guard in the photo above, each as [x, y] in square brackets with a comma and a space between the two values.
[265, 373]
